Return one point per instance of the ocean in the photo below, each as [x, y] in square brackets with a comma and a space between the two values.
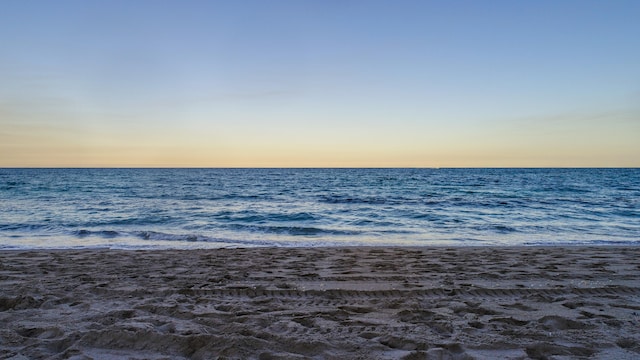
[213, 208]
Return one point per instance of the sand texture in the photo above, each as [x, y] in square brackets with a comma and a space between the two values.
[324, 303]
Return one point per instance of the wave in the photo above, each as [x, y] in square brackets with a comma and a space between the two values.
[368, 200]
[157, 236]
[376, 223]
[26, 227]
[141, 221]
[293, 230]
[101, 233]
[153, 235]
[143, 235]
[469, 200]
[495, 228]
[192, 238]
[256, 217]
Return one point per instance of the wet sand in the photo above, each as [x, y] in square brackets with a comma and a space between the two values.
[322, 303]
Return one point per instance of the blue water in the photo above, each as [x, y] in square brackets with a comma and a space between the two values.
[204, 208]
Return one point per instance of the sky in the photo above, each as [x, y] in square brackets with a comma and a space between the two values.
[326, 83]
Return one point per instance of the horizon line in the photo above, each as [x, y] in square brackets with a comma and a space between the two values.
[320, 167]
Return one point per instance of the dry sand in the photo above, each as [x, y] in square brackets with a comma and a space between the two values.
[324, 303]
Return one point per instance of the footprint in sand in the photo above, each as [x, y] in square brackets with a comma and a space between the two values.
[553, 323]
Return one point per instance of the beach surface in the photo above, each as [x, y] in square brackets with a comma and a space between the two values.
[322, 303]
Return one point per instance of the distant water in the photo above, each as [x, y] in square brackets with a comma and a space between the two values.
[203, 208]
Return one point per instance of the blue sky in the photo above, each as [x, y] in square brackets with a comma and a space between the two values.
[320, 83]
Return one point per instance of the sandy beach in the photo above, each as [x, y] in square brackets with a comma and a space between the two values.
[322, 303]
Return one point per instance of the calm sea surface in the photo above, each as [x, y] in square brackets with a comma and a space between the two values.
[203, 208]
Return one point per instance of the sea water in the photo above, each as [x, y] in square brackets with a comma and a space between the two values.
[209, 208]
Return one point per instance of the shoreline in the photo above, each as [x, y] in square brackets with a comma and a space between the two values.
[388, 302]
[622, 245]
